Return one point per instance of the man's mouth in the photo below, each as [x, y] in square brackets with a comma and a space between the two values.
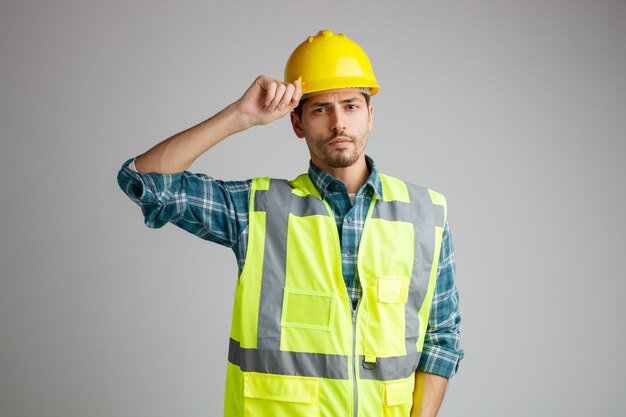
[340, 141]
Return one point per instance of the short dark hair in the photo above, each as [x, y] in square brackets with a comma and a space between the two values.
[298, 110]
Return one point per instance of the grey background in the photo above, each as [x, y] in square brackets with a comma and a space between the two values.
[516, 110]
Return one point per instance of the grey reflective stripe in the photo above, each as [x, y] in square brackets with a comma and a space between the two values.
[439, 215]
[274, 261]
[316, 365]
[307, 206]
[424, 215]
[387, 369]
[424, 234]
[393, 211]
[281, 202]
[300, 206]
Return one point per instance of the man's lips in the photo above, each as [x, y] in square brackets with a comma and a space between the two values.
[339, 141]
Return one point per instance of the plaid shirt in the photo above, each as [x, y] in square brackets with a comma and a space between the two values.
[217, 211]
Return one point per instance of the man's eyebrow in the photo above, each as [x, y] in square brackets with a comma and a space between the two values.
[351, 99]
[328, 103]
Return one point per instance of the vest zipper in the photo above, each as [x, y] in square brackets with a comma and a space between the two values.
[354, 361]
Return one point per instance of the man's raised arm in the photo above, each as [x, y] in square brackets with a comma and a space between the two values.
[263, 102]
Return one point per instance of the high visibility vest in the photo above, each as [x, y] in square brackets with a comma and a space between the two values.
[297, 348]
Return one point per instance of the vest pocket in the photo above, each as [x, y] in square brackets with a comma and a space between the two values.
[308, 309]
[385, 329]
[280, 396]
[398, 397]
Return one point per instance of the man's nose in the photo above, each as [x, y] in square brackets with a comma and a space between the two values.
[337, 122]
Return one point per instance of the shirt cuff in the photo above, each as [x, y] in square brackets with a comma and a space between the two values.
[146, 187]
[439, 361]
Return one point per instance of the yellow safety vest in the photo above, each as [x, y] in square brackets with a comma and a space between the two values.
[297, 348]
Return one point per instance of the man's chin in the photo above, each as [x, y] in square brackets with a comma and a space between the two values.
[342, 162]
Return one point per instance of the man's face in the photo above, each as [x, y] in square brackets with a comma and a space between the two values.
[335, 125]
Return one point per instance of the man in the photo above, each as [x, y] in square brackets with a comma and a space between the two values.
[346, 303]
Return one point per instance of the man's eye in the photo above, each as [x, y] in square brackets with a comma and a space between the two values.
[352, 106]
[320, 110]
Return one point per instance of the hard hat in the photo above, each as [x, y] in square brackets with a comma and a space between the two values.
[329, 61]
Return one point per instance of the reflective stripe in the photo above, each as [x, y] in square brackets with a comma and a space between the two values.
[307, 206]
[300, 206]
[387, 369]
[423, 220]
[283, 202]
[424, 215]
[393, 210]
[274, 262]
[440, 215]
[316, 365]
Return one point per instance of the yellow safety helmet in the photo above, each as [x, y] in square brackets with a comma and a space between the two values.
[329, 61]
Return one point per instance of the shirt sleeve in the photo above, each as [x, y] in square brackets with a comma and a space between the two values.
[211, 209]
[441, 353]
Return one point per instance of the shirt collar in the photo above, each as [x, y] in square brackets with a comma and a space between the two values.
[327, 184]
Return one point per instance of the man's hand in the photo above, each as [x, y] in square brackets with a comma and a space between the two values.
[267, 100]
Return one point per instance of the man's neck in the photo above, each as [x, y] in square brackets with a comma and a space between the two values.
[353, 176]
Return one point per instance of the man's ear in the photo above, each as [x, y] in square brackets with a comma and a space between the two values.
[371, 122]
[296, 123]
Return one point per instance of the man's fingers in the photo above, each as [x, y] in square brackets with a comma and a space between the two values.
[268, 99]
[280, 91]
[279, 95]
[287, 97]
[270, 91]
[297, 94]
[290, 98]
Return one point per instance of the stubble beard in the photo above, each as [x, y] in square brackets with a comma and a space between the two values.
[338, 158]
[341, 160]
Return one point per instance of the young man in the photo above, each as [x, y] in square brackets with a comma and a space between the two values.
[346, 303]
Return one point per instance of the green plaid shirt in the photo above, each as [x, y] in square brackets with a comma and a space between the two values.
[217, 211]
